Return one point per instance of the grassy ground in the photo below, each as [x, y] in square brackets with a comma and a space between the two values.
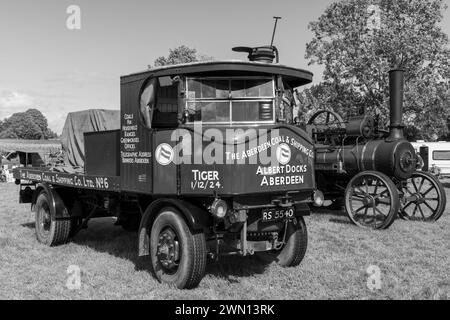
[13, 145]
[414, 260]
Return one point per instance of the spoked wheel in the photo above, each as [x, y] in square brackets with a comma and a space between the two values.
[178, 255]
[326, 119]
[371, 200]
[423, 198]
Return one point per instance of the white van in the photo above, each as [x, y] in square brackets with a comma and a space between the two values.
[435, 155]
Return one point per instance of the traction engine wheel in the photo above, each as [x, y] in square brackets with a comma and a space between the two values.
[371, 200]
[293, 252]
[178, 255]
[49, 231]
[324, 119]
[423, 199]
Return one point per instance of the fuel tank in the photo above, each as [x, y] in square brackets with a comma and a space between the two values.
[393, 158]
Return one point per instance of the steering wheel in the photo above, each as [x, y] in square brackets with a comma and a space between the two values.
[325, 119]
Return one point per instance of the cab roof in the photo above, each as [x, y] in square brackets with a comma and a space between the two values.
[293, 76]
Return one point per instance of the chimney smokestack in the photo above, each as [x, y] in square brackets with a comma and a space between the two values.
[396, 85]
[264, 54]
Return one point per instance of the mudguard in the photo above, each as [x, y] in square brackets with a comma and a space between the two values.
[196, 218]
[58, 209]
[302, 209]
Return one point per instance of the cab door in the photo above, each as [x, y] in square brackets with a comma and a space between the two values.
[164, 126]
[135, 143]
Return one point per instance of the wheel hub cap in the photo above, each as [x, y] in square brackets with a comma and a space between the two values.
[419, 198]
[168, 249]
[45, 220]
[369, 201]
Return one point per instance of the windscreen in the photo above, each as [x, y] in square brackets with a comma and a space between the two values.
[227, 101]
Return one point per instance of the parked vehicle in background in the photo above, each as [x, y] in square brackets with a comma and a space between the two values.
[436, 157]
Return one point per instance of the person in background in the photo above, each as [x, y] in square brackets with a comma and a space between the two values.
[2, 175]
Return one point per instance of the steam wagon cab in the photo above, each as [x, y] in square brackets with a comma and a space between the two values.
[206, 162]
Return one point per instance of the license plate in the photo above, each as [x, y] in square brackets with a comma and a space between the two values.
[269, 215]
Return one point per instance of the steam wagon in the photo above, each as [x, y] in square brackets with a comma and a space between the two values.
[371, 170]
[206, 162]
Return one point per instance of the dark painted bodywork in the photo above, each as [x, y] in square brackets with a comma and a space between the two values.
[176, 180]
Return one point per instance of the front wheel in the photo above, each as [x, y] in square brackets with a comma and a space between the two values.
[178, 255]
[371, 200]
[423, 198]
[294, 249]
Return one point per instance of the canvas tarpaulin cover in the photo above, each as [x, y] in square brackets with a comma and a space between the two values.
[78, 123]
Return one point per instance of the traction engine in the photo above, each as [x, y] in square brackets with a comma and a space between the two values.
[374, 172]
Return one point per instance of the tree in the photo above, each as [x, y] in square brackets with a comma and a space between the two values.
[22, 125]
[358, 41]
[41, 121]
[181, 54]
[30, 124]
[8, 134]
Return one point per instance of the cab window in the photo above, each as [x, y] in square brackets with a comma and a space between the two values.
[159, 103]
[441, 155]
[227, 101]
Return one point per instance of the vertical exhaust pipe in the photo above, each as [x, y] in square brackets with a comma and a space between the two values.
[396, 87]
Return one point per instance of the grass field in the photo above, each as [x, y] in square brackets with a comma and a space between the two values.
[13, 145]
[414, 260]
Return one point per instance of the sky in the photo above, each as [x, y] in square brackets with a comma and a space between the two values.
[47, 66]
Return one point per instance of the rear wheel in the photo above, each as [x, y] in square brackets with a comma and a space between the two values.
[178, 255]
[294, 250]
[423, 199]
[371, 200]
[49, 231]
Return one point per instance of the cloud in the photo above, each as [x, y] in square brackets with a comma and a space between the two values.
[60, 93]
[14, 101]
[56, 122]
